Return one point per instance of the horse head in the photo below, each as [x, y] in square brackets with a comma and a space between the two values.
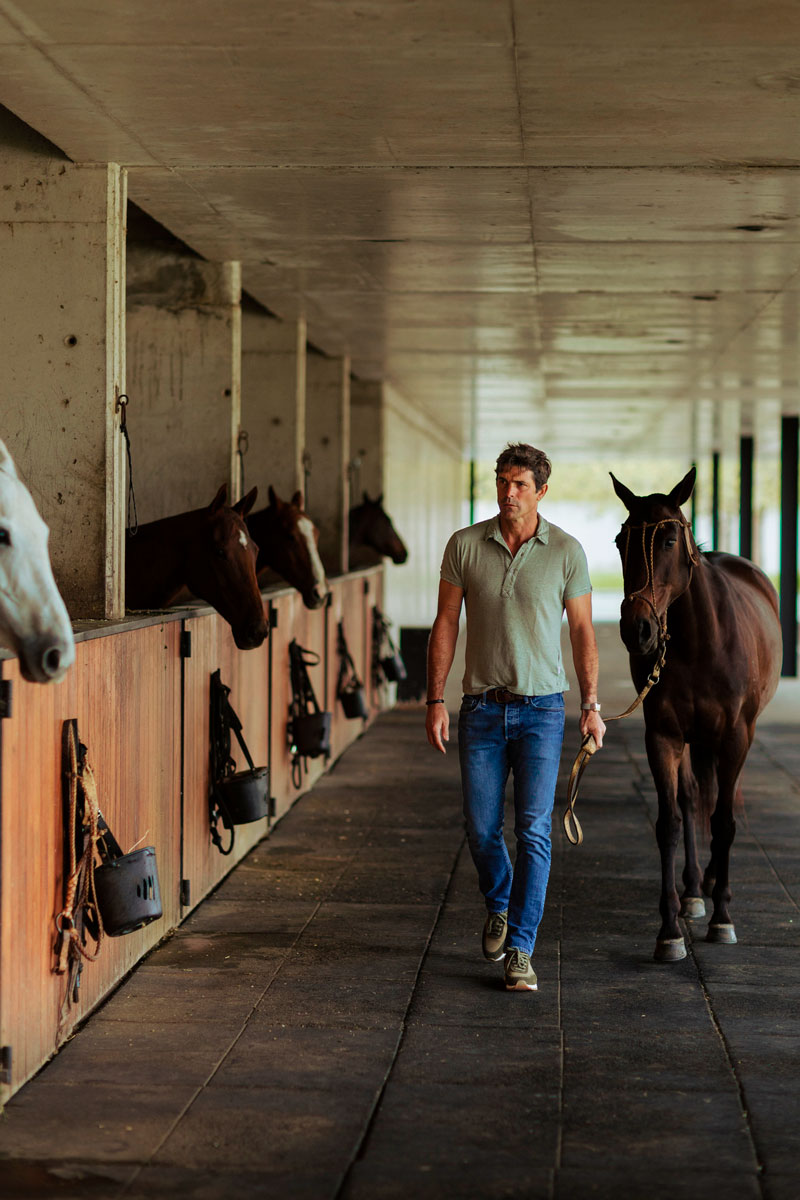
[288, 541]
[220, 560]
[33, 620]
[658, 555]
[371, 526]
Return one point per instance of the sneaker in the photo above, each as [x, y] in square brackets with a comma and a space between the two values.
[494, 936]
[520, 975]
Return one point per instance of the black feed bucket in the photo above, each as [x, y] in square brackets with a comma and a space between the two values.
[128, 895]
[353, 701]
[245, 796]
[393, 667]
[311, 734]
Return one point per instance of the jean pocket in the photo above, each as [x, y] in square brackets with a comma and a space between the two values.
[553, 702]
[470, 703]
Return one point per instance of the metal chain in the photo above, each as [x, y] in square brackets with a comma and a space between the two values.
[132, 526]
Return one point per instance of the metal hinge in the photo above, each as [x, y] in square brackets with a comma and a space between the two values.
[5, 698]
[365, 587]
[6, 1057]
[273, 617]
[186, 643]
[271, 807]
[186, 893]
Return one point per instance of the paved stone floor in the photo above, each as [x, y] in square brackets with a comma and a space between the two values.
[324, 1026]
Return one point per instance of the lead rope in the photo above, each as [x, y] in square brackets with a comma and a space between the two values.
[572, 826]
[80, 890]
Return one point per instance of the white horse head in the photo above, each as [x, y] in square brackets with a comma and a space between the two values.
[33, 620]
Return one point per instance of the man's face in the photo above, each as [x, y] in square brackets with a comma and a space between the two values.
[517, 496]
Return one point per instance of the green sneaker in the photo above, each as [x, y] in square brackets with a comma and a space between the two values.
[494, 936]
[520, 975]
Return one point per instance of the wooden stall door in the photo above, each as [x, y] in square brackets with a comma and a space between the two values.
[309, 628]
[246, 673]
[124, 692]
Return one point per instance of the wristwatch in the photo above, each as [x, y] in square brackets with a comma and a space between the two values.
[590, 707]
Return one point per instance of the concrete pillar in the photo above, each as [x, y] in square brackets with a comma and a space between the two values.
[790, 449]
[273, 402]
[746, 455]
[184, 377]
[328, 450]
[366, 439]
[62, 312]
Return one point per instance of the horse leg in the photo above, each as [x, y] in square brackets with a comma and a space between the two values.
[664, 755]
[733, 753]
[692, 903]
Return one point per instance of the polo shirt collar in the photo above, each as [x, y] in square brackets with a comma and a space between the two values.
[494, 533]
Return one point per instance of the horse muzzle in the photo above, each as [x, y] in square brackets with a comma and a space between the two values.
[399, 554]
[638, 628]
[250, 637]
[45, 660]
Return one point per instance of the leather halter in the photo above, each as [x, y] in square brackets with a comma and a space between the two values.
[692, 554]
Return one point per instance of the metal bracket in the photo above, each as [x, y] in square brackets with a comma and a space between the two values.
[6, 1060]
[186, 643]
[271, 810]
[186, 893]
[273, 617]
[6, 691]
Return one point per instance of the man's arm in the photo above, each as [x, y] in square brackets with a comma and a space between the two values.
[441, 648]
[585, 660]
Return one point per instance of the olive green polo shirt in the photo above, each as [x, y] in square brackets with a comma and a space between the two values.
[515, 604]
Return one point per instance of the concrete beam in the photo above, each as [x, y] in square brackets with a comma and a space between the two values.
[273, 402]
[62, 311]
[184, 378]
[328, 447]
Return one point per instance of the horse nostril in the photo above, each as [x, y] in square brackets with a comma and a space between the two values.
[52, 661]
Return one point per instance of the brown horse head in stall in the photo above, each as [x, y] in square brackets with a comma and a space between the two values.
[372, 535]
[210, 552]
[288, 540]
[706, 627]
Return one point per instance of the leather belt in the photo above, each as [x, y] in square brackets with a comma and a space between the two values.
[503, 696]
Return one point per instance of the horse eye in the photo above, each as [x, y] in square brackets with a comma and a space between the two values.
[5, 537]
[670, 542]
[220, 553]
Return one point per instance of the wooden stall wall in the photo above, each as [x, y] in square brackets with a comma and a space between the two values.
[246, 673]
[125, 693]
[143, 712]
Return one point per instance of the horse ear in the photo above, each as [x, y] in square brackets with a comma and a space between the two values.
[273, 499]
[297, 500]
[366, 498]
[219, 500]
[243, 506]
[683, 490]
[625, 494]
[7, 462]
[380, 499]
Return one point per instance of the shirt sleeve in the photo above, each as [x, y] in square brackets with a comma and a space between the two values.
[451, 564]
[577, 581]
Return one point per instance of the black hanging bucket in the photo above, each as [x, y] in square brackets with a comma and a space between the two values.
[245, 796]
[393, 667]
[311, 734]
[353, 700]
[128, 895]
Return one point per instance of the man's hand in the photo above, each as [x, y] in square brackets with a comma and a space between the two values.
[437, 726]
[591, 722]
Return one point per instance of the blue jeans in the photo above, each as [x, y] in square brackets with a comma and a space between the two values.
[524, 737]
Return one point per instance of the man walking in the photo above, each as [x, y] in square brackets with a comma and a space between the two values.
[517, 574]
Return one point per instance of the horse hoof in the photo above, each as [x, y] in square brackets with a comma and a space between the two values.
[670, 950]
[693, 907]
[721, 933]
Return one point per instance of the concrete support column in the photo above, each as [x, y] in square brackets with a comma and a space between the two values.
[328, 449]
[62, 312]
[715, 458]
[746, 456]
[366, 439]
[184, 378]
[273, 402]
[790, 439]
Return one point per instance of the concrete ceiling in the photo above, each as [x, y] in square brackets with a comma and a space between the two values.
[574, 223]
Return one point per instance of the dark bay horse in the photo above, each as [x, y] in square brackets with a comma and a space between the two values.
[720, 668]
[287, 539]
[372, 535]
[210, 552]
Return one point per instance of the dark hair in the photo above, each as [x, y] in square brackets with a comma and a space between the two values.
[520, 454]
